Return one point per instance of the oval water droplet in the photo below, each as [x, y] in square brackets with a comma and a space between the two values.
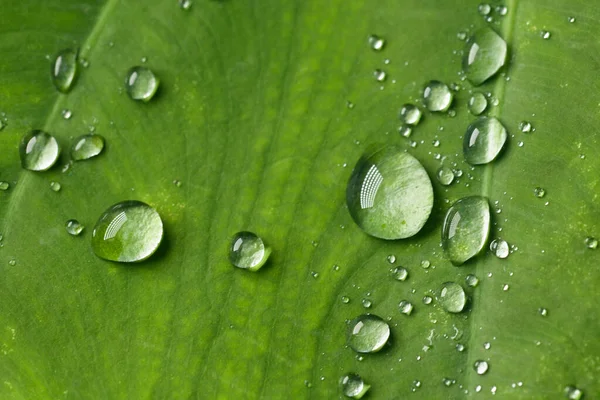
[73, 227]
[445, 176]
[367, 303]
[389, 194]
[405, 131]
[484, 140]
[55, 186]
[376, 43]
[410, 114]
[367, 333]
[185, 4]
[87, 146]
[437, 96]
[543, 311]
[141, 83]
[39, 151]
[477, 103]
[64, 70]
[399, 273]
[66, 113]
[500, 248]
[573, 393]
[353, 386]
[128, 231]
[481, 367]
[427, 300]
[4, 186]
[484, 56]
[248, 251]
[391, 258]
[472, 280]
[466, 228]
[380, 76]
[452, 297]
[591, 242]
[405, 307]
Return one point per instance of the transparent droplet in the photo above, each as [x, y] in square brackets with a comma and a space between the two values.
[380, 75]
[571, 19]
[543, 311]
[445, 175]
[484, 140]
[452, 297]
[367, 303]
[141, 83]
[573, 393]
[128, 231]
[416, 384]
[74, 227]
[66, 113]
[505, 287]
[502, 10]
[405, 131]
[185, 4]
[525, 126]
[376, 43]
[64, 70]
[481, 367]
[55, 186]
[39, 151]
[391, 258]
[477, 103]
[460, 347]
[410, 114]
[12, 262]
[87, 146]
[484, 56]
[487, 345]
[177, 182]
[427, 300]
[448, 382]
[425, 264]
[437, 96]
[4, 185]
[353, 386]
[405, 307]
[484, 9]
[591, 242]
[466, 228]
[400, 273]
[545, 35]
[345, 299]
[248, 251]
[472, 280]
[500, 248]
[389, 194]
[539, 192]
[314, 274]
[367, 333]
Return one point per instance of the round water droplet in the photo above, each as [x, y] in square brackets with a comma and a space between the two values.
[185, 4]
[525, 126]
[248, 251]
[466, 228]
[389, 194]
[427, 300]
[367, 333]
[484, 56]
[405, 131]
[448, 382]
[4, 185]
[573, 393]
[380, 75]
[545, 35]
[64, 70]
[571, 19]
[410, 114]
[399, 273]
[591, 242]
[391, 258]
[405, 307]
[502, 10]
[127, 232]
[500, 248]
[445, 176]
[539, 192]
[12, 262]
[39, 151]
[487, 345]
[376, 43]
[141, 83]
[477, 103]
[484, 9]
[55, 186]
[437, 96]
[460, 347]
[353, 386]
[472, 280]
[367, 303]
[345, 299]
[87, 146]
[74, 227]
[452, 297]
[425, 264]
[67, 114]
[481, 367]
[483, 140]
[543, 311]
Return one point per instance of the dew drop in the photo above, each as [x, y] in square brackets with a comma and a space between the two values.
[484, 140]
[500, 248]
[484, 9]
[12, 262]
[367, 303]
[448, 382]
[248, 251]
[481, 367]
[64, 70]
[399, 273]
[353, 386]
[185, 4]
[39, 151]
[460, 347]
[437, 96]
[4, 186]
[367, 333]
[410, 114]
[87, 146]
[141, 83]
[391, 258]
[573, 393]
[452, 297]
[571, 19]
[74, 228]
[66, 113]
[477, 103]
[539, 192]
[591, 242]
[427, 300]
[545, 35]
[380, 76]
[525, 126]
[484, 56]
[425, 264]
[472, 280]
[445, 175]
[345, 299]
[55, 186]
[543, 311]
[405, 307]
[376, 43]
[405, 131]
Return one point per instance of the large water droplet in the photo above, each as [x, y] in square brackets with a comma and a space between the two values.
[477, 103]
[410, 114]
[466, 228]
[367, 333]
[39, 151]
[437, 96]
[64, 70]
[141, 83]
[573, 393]
[74, 227]
[127, 232]
[452, 297]
[484, 56]
[248, 251]
[353, 386]
[481, 367]
[389, 194]
[87, 146]
[483, 141]
[500, 248]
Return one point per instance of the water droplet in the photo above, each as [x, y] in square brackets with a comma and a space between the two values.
[405, 131]
[425, 264]
[141, 83]
[452, 297]
[64, 70]
[177, 182]
[39, 151]
[399, 273]
[366, 303]
[248, 251]
[349, 104]
[472, 280]
[500, 248]
[487, 345]
[4, 185]
[380, 75]
[543, 311]
[55, 186]
[571, 19]
[353, 386]
[345, 299]
[416, 384]
[460, 347]
[573, 393]
[483, 140]
[445, 175]
[391, 258]
[481, 367]
[484, 56]
[87, 146]
[389, 194]
[12, 262]
[185, 4]
[466, 228]
[545, 35]
[437, 96]
[525, 126]
[367, 333]
[405, 307]
[74, 227]
[376, 43]
[66, 113]
[484, 9]
[84, 63]
[410, 114]
[539, 192]
[477, 103]
[427, 300]
[128, 231]
[502, 10]
[314, 274]
[591, 242]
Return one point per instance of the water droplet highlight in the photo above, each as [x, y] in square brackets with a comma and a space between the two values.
[437, 96]
[452, 297]
[87, 146]
[345, 299]
[410, 114]
[64, 70]
[427, 300]
[484, 56]
[66, 114]
[353, 386]
[481, 367]
[545, 35]
[39, 151]
[484, 140]
[380, 76]
[367, 333]
[500, 248]
[73, 227]
[141, 83]
[477, 103]
[484, 9]
[248, 251]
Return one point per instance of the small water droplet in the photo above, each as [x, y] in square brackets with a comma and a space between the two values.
[571, 19]
[380, 76]
[399, 273]
[367, 303]
[84, 63]
[86, 147]
[345, 299]
[376, 43]
[539, 192]
[505, 287]
[353, 386]
[64, 70]
[185, 4]
[445, 175]
[405, 131]
[12, 262]
[367, 333]
[141, 83]
[484, 56]
[425, 264]
[410, 114]
[502, 10]
[55, 186]
[484, 9]
[472, 280]
[248, 251]
[4, 186]
[448, 382]
[543, 311]
[477, 103]
[66, 113]
[484, 140]
[177, 182]
[520, 144]
[314, 274]
[416, 385]
[405, 307]
[500, 248]
[573, 393]
[349, 104]
[525, 126]
[481, 367]
[427, 300]
[545, 35]
[591, 242]
[487, 345]
[391, 258]
[39, 151]
[437, 96]
[460, 347]
[452, 297]
[74, 227]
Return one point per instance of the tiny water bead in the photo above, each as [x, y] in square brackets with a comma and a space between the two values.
[425, 264]
[539, 192]
[141, 83]
[472, 280]
[64, 70]
[128, 231]
[427, 300]
[500, 248]
[484, 56]
[437, 96]
[410, 114]
[448, 382]
[367, 303]
[353, 386]
[481, 367]
[399, 273]
[376, 43]
[405, 131]
[445, 176]
[185, 4]
[484, 140]
[573, 393]
[380, 76]
[391, 258]
[87, 146]
[73, 227]
[67, 114]
[248, 251]
[525, 126]
[543, 311]
[39, 151]
[405, 307]
[466, 228]
[55, 186]
[484, 9]
[477, 103]
[545, 35]
[389, 194]
[591, 243]
[367, 333]
[452, 297]
[4, 185]
[345, 299]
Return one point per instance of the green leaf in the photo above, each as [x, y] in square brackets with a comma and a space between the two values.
[251, 117]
